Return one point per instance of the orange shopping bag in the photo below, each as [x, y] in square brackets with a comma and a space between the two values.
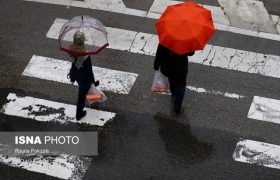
[95, 95]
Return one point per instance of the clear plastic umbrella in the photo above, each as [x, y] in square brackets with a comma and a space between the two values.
[83, 35]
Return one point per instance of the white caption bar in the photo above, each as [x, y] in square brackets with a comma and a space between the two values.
[265, 109]
[63, 166]
[215, 56]
[57, 70]
[259, 153]
[44, 110]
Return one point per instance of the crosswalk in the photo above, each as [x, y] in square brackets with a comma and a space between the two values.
[57, 70]
[214, 56]
[120, 82]
[222, 22]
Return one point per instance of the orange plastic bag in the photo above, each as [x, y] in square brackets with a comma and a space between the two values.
[95, 95]
[160, 83]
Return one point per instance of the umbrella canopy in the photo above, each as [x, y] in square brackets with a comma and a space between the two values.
[185, 27]
[83, 35]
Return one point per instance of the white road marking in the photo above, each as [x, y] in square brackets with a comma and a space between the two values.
[57, 70]
[276, 21]
[44, 110]
[221, 21]
[259, 153]
[204, 91]
[248, 14]
[265, 109]
[215, 56]
[116, 6]
[225, 94]
[62, 166]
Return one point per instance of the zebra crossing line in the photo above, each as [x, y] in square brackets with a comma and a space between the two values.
[57, 70]
[221, 21]
[259, 153]
[110, 80]
[116, 6]
[214, 56]
[265, 109]
[63, 166]
[35, 109]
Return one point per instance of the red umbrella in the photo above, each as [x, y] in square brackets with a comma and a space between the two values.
[185, 27]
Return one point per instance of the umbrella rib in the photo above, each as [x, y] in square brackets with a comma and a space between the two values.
[190, 26]
[94, 30]
[92, 39]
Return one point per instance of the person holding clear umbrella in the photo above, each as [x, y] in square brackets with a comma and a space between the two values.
[81, 37]
[81, 71]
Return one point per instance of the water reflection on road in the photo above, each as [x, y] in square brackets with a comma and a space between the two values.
[180, 143]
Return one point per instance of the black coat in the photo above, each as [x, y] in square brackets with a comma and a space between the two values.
[84, 75]
[172, 65]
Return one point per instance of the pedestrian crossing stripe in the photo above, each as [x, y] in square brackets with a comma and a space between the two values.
[35, 109]
[214, 56]
[57, 70]
[111, 80]
[116, 6]
[221, 21]
[259, 153]
[63, 166]
[265, 109]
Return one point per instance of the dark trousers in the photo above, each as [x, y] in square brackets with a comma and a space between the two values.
[177, 91]
[83, 90]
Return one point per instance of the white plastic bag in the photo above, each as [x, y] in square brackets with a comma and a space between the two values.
[160, 83]
[95, 95]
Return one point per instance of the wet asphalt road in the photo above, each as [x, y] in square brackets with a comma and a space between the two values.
[137, 144]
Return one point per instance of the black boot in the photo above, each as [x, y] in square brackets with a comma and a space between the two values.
[172, 103]
[79, 116]
[177, 109]
[179, 112]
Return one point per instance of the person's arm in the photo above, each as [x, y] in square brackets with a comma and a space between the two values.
[158, 57]
[190, 54]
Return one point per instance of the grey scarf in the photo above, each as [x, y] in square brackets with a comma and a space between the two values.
[80, 61]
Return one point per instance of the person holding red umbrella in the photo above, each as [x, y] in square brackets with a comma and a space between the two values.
[175, 67]
[182, 29]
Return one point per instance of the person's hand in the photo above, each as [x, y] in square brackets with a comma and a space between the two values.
[96, 83]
